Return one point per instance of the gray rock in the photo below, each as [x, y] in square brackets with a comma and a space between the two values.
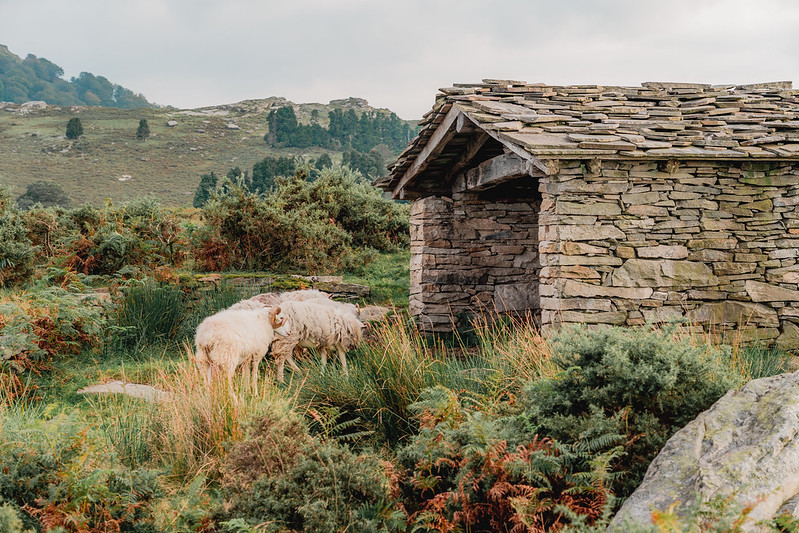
[745, 447]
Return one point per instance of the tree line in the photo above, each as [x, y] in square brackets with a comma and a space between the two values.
[36, 78]
[347, 130]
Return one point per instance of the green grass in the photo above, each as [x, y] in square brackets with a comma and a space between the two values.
[388, 275]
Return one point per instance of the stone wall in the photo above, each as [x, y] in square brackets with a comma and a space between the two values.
[471, 251]
[629, 242]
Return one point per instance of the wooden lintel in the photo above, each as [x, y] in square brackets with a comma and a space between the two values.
[495, 171]
[443, 134]
[464, 124]
[472, 147]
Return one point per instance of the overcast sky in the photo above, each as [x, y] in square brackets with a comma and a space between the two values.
[193, 53]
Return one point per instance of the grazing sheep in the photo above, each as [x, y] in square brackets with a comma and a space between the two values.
[270, 299]
[237, 337]
[321, 326]
[344, 306]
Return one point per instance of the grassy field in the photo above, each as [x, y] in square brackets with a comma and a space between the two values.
[167, 165]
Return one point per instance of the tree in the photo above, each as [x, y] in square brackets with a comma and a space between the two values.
[324, 161]
[74, 128]
[46, 193]
[144, 130]
[205, 189]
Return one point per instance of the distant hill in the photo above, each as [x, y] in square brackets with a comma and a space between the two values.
[107, 161]
[37, 79]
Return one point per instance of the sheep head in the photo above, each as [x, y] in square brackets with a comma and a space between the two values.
[279, 322]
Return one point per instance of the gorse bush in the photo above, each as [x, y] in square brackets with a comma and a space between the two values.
[643, 383]
[311, 226]
[282, 479]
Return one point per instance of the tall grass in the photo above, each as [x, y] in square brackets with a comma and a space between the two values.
[391, 369]
[189, 434]
[149, 313]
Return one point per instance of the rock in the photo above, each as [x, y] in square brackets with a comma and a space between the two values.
[232, 126]
[172, 123]
[597, 232]
[745, 448]
[666, 252]
[765, 292]
[136, 390]
[734, 313]
[789, 338]
[370, 313]
[664, 273]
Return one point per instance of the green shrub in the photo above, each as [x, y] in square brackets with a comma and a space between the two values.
[467, 471]
[643, 383]
[10, 521]
[17, 252]
[40, 325]
[297, 483]
[62, 477]
[46, 193]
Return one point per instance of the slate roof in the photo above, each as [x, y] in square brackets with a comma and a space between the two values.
[654, 121]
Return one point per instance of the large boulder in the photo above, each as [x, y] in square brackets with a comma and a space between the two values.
[745, 447]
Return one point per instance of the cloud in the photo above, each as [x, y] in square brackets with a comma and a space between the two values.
[190, 53]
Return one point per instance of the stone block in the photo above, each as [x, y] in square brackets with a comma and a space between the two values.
[608, 317]
[783, 275]
[736, 313]
[666, 273]
[662, 251]
[765, 292]
[576, 289]
[599, 232]
[588, 207]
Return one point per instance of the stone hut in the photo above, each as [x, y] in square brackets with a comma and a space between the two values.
[612, 205]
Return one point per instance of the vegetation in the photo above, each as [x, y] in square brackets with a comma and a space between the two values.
[36, 78]
[143, 131]
[74, 128]
[44, 193]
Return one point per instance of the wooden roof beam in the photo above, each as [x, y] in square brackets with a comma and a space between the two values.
[495, 171]
[443, 134]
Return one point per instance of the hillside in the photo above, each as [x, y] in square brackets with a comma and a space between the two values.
[109, 162]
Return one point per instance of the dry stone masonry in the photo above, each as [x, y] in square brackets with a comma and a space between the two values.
[612, 205]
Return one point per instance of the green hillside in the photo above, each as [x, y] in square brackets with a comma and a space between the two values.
[36, 78]
[108, 161]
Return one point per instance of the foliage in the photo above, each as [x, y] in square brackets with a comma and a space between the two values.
[205, 189]
[36, 78]
[74, 128]
[60, 476]
[138, 233]
[347, 130]
[46, 193]
[266, 171]
[143, 131]
[369, 164]
[391, 369]
[643, 383]
[40, 325]
[17, 252]
[282, 478]
[465, 473]
[245, 232]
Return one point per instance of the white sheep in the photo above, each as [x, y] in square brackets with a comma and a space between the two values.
[270, 299]
[344, 306]
[236, 337]
[320, 326]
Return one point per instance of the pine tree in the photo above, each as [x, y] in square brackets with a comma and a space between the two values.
[204, 189]
[74, 128]
[144, 130]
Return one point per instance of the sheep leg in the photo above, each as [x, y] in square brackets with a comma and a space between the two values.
[323, 353]
[343, 358]
[255, 363]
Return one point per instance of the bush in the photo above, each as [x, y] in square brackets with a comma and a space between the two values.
[17, 252]
[643, 383]
[38, 326]
[62, 477]
[46, 193]
[466, 470]
[303, 484]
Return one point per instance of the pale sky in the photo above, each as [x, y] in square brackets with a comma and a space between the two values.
[193, 53]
